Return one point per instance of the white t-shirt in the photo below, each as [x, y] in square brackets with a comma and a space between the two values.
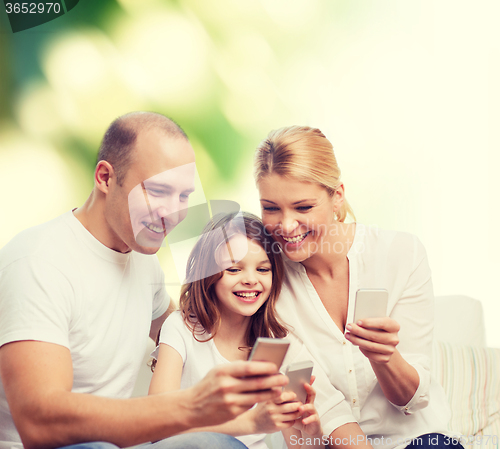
[397, 262]
[200, 357]
[58, 284]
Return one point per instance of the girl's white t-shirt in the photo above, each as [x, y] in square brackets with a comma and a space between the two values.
[199, 357]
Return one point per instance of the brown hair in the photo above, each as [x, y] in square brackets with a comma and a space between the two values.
[304, 154]
[198, 301]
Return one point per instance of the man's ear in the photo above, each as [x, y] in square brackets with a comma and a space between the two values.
[104, 174]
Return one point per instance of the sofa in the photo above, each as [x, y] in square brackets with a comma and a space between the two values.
[468, 370]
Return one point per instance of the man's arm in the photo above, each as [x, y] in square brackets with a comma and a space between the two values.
[37, 378]
[156, 324]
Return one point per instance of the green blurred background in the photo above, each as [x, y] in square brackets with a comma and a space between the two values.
[407, 92]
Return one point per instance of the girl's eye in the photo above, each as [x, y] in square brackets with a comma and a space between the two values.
[232, 270]
[264, 270]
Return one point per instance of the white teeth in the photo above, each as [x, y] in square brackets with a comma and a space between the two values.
[153, 228]
[296, 239]
[246, 295]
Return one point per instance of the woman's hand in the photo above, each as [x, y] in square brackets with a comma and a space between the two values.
[376, 338]
[309, 422]
[278, 414]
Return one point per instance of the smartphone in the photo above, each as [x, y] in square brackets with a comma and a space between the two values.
[370, 303]
[270, 350]
[298, 374]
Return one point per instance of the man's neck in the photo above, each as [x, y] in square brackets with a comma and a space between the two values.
[92, 217]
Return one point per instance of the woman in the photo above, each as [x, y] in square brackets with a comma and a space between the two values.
[381, 365]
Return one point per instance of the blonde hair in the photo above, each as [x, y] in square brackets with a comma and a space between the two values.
[303, 154]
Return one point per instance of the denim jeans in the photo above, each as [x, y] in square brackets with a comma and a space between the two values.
[434, 441]
[197, 440]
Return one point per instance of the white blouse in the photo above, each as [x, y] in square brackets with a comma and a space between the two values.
[397, 262]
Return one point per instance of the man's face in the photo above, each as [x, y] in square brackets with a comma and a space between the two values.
[154, 196]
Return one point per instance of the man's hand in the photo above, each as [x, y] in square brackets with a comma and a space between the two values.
[231, 389]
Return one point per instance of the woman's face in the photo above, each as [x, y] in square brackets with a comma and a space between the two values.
[300, 215]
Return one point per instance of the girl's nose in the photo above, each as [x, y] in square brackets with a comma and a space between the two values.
[249, 279]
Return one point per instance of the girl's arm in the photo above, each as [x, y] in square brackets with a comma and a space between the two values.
[168, 371]
[266, 417]
[306, 431]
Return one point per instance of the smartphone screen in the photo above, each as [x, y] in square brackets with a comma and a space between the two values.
[270, 350]
[370, 303]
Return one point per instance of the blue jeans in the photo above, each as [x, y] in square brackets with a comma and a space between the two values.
[197, 440]
[434, 441]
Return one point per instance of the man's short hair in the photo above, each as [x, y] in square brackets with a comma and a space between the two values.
[119, 139]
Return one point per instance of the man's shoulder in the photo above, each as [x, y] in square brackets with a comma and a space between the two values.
[41, 240]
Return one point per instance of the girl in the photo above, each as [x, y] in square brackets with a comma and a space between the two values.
[234, 277]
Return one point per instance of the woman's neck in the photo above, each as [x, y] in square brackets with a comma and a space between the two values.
[326, 263]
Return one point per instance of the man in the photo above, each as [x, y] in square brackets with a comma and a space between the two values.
[78, 295]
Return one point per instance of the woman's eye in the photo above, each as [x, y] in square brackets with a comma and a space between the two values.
[269, 209]
[304, 208]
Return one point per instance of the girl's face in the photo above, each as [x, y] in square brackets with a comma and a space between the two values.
[300, 215]
[244, 285]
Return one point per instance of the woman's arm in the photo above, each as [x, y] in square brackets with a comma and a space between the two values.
[403, 373]
[377, 339]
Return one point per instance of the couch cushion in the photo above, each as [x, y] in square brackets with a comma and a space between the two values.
[459, 319]
[471, 380]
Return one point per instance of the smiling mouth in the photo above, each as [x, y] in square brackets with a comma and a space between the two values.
[296, 239]
[247, 295]
[155, 228]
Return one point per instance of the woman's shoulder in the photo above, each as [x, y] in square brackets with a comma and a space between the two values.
[373, 237]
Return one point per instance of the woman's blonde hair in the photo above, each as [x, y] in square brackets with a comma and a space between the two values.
[303, 154]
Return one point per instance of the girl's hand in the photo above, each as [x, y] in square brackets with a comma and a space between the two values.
[278, 414]
[376, 338]
[309, 422]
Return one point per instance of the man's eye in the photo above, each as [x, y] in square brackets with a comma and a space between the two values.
[184, 197]
[155, 192]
